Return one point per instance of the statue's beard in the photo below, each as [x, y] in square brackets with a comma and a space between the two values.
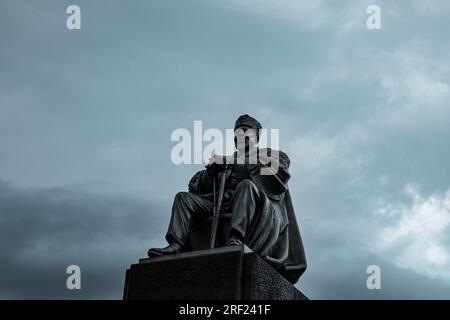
[246, 147]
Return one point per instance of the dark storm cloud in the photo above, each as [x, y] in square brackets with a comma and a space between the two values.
[45, 230]
[338, 270]
[42, 231]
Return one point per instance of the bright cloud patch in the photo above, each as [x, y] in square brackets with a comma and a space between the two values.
[417, 240]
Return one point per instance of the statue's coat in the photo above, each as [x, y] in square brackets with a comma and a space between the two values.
[274, 232]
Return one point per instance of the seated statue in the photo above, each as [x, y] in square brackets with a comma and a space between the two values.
[262, 214]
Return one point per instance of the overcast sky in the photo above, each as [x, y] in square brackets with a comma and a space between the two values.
[86, 117]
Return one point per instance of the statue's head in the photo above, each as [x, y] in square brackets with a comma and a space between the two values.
[246, 132]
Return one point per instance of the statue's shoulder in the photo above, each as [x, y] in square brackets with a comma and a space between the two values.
[283, 157]
[195, 182]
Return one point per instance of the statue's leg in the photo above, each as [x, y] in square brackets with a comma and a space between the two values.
[243, 207]
[186, 208]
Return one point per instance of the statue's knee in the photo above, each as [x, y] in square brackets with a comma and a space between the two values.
[182, 196]
[247, 184]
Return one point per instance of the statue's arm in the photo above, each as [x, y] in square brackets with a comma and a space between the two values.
[279, 163]
[283, 167]
[201, 183]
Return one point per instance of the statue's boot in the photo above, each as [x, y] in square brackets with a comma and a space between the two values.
[236, 239]
[234, 242]
[173, 248]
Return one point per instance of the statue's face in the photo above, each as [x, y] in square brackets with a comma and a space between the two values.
[245, 137]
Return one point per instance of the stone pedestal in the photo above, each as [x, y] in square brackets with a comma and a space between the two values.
[217, 274]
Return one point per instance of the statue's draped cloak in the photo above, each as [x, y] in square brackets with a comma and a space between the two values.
[274, 232]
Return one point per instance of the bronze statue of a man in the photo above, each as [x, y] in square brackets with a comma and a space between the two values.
[263, 216]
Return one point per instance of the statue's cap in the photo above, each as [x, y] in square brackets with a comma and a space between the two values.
[246, 121]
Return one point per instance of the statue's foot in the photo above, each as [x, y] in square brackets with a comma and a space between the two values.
[173, 248]
[234, 242]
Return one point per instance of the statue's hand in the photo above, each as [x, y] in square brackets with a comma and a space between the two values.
[216, 159]
[264, 159]
[214, 169]
[215, 165]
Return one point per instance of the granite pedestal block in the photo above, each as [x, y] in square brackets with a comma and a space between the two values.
[226, 273]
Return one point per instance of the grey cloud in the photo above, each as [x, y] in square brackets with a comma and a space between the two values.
[346, 279]
[42, 231]
[337, 270]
